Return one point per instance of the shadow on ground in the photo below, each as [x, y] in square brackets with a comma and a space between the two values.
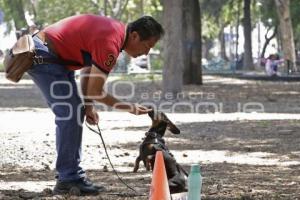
[220, 181]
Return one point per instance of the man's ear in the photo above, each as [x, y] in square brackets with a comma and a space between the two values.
[135, 36]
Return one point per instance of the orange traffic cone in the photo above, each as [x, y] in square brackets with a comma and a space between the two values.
[159, 186]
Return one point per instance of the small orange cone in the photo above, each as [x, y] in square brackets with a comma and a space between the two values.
[159, 186]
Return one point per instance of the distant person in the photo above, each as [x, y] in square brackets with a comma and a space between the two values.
[93, 43]
[272, 63]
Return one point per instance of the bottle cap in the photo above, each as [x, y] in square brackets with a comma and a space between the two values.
[195, 168]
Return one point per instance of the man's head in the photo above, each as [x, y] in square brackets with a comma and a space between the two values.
[142, 35]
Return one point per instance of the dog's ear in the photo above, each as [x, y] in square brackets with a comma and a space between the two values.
[158, 116]
[151, 114]
[171, 126]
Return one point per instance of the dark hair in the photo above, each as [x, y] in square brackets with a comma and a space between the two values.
[146, 27]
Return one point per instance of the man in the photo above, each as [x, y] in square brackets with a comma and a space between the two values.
[92, 43]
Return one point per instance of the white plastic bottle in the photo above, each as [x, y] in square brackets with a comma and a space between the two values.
[194, 183]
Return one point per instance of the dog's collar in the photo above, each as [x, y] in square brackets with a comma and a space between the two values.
[152, 134]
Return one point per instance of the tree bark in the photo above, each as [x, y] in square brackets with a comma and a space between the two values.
[142, 7]
[17, 9]
[286, 31]
[173, 47]
[192, 42]
[222, 43]
[268, 39]
[248, 60]
[105, 7]
[237, 32]
[206, 46]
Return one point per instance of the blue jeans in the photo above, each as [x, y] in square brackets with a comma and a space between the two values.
[59, 88]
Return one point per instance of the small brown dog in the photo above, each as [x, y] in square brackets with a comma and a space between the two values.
[153, 142]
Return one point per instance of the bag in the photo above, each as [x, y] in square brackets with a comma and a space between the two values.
[19, 59]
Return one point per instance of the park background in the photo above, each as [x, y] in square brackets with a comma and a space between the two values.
[207, 74]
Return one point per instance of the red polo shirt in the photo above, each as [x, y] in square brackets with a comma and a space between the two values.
[88, 39]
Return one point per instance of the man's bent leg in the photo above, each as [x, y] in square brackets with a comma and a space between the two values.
[69, 119]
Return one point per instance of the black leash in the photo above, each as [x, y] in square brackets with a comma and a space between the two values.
[100, 134]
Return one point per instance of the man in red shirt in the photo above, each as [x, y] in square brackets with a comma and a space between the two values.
[92, 44]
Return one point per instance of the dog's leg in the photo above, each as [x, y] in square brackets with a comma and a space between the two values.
[137, 164]
[149, 162]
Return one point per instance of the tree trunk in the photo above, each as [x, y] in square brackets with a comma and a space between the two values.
[207, 45]
[268, 39]
[17, 9]
[237, 32]
[231, 47]
[248, 60]
[222, 43]
[142, 7]
[105, 7]
[173, 47]
[192, 42]
[121, 7]
[286, 31]
[33, 7]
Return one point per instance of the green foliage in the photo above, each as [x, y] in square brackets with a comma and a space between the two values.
[270, 19]
[14, 13]
[210, 29]
[229, 11]
[268, 15]
[210, 23]
[46, 12]
[50, 11]
[138, 8]
[156, 62]
[157, 59]
[1, 67]
[216, 13]
[294, 11]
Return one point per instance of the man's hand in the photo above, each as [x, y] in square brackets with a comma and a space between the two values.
[138, 109]
[92, 116]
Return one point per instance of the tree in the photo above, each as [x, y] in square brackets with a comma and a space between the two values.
[286, 31]
[294, 12]
[268, 16]
[14, 11]
[192, 42]
[182, 45]
[50, 11]
[231, 15]
[116, 8]
[267, 40]
[248, 60]
[173, 47]
[215, 17]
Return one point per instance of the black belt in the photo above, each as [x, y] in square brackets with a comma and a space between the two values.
[51, 60]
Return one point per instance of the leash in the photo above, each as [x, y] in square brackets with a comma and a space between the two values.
[100, 134]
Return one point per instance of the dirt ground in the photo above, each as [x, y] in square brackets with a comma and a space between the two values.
[243, 155]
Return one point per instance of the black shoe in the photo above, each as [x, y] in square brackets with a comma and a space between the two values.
[80, 186]
[90, 183]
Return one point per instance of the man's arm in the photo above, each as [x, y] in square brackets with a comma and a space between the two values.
[93, 90]
[84, 77]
